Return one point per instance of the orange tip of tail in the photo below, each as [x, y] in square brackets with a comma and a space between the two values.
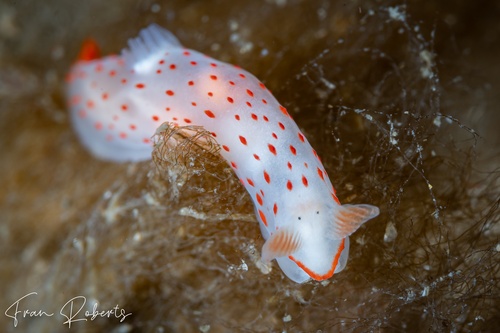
[89, 51]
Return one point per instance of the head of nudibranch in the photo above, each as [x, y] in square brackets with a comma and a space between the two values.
[313, 241]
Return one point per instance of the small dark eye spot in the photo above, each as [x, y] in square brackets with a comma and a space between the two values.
[317, 212]
[300, 218]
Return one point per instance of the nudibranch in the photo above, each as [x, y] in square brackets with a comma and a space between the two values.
[117, 103]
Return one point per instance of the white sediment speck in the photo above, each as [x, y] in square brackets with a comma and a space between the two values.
[390, 232]
[155, 8]
[437, 121]
[243, 266]
[137, 237]
[204, 328]
[246, 47]
[425, 291]
[428, 62]
[328, 84]
[397, 13]
[393, 133]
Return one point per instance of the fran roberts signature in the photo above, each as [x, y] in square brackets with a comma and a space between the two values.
[72, 311]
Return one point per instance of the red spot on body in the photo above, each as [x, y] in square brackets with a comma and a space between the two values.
[155, 118]
[265, 118]
[250, 182]
[264, 101]
[105, 96]
[81, 75]
[256, 157]
[263, 217]
[289, 185]
[289, 165]
[123, 81]
[316, 154]
[211, 94]
[98, 126]
[213, 77]
[193, 103]
[304, 181]
[213, 65]
[158, 71]
[272, 149]
[275, 209]
[186, 53]
[320, 174]
[254, 116]
[249, 104]
[281, 126]
[213, 134]
[140, 85]
[250, 93]
[194, 63]
[132, 127]
[146, 140]
[266, 177]
[190, 83]
[234, 165]
[75, 100]
[210, 114]
[275, 136]
[99, 68]
[82, 114]
[226, 148]
[90, 104]
[284, 111]
[169, 93]
[124, 107]
[161, 62]
[167, 109]
[262, 85]
[230, 100]
[187, 120]
[335, 198]
[237, 117]
[293, 150]
[306, 165]
[112, 73]
[89, 50]
[242, 75]
[123, 135]
[173, 66]
[231, 83]
[243, 140]
[301, 137]
[259, 199]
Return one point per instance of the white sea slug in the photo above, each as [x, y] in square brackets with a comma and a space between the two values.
[117, 103]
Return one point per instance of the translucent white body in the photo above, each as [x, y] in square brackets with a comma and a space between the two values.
[118, 102]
